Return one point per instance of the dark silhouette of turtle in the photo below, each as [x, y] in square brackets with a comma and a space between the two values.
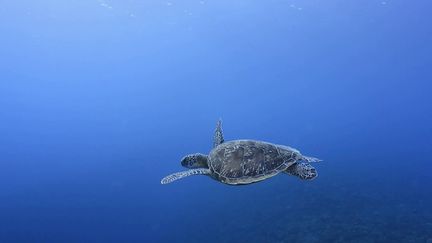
[242, 162]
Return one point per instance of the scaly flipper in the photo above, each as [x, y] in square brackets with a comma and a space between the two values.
[182, 174]
[310, 159]
[302, 170]
[218, 135]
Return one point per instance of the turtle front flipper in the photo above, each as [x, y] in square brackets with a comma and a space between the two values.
[218, 135]
[303, 171]
[182, 174]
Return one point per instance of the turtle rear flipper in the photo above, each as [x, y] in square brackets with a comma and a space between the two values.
[218, 135]
[182, 174]
[310, 159]
[303, 171]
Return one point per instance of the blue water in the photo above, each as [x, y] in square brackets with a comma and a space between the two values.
[101, 99]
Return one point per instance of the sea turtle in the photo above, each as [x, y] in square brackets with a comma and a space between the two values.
[241, 162]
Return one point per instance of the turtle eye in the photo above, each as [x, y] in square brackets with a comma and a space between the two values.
[188, 162]
[184, 162]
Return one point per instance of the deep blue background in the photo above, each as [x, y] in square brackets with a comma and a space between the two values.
[100, 99]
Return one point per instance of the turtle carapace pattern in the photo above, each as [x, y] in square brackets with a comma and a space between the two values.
[241, 162]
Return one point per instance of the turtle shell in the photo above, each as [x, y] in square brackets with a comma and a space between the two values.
[248, 161]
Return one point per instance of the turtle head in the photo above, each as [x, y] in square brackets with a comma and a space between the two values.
[194, 161]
